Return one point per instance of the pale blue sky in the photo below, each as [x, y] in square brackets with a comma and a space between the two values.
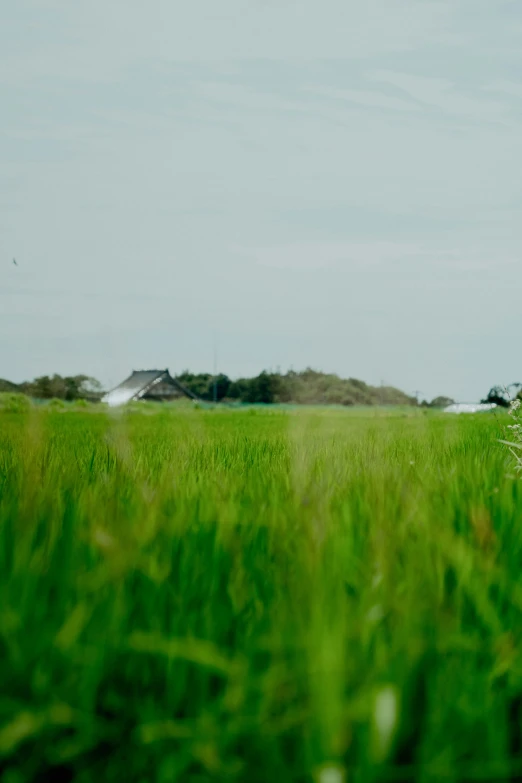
[315, 182]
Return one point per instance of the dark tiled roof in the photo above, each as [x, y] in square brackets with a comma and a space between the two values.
[137, 384]
[141, 378]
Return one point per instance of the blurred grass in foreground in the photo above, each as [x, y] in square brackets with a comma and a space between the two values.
[258, 596]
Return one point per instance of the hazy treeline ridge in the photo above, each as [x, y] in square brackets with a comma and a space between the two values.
[306, 387]
[48, 387]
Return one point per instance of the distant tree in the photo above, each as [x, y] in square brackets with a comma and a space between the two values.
[72, 387]
[202, 384]
[313, 387]
[498, 395]
[441, 402]
[503, 395]
[361, 385]
[7, 386]
[516, 393]
[91, 386]
[221, 384]
[197, 383]
[42, 387]
[240, 389]
[265, 387]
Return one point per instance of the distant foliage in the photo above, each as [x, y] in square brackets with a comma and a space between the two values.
[14, 403]
[504, 395]
[309, 387]
[70, 388]
[206, 386]
[7, 386]
[440, 402]
[265, 388]
[47, 387]
[56, 403]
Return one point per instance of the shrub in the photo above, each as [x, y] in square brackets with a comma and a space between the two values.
[56, 404]
[14, 402]
[441, 402]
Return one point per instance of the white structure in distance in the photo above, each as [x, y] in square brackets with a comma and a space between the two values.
[470, 407]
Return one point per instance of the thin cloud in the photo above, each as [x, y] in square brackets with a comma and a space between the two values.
[99, 40]
[506, 88]
[442, 94]
[365, 254]
[368, 98]
[320, 255]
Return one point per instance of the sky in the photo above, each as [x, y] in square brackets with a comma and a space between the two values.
[271, 184]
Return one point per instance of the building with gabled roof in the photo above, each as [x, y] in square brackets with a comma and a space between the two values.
[156, 385]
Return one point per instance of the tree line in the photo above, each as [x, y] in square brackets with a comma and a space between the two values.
[308, 387]
[504, 395]
[48, 387]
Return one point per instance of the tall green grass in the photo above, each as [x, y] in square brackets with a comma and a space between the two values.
[258, 596]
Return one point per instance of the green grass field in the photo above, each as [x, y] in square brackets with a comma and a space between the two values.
[263, 595]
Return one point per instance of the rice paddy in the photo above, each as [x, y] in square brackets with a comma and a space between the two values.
[258, 595]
